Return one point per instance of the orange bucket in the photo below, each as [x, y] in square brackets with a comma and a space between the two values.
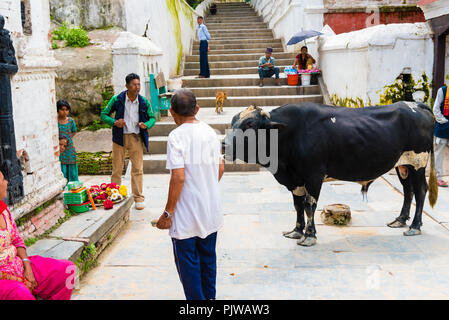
[292, 79]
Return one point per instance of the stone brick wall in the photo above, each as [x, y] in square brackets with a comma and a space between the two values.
[333, 4]
[342, 22]
[346, 16]
[42, 221]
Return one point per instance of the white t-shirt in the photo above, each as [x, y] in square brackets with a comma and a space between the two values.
[196, 148]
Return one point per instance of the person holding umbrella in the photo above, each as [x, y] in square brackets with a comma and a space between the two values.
[303, 59]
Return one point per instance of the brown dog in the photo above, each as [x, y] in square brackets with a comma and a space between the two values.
[219, 101]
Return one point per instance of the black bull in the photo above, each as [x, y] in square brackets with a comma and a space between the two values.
[317, 143]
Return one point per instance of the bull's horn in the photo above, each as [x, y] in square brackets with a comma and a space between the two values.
[265, 113]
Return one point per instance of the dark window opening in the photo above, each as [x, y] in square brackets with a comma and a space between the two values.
[26, 17]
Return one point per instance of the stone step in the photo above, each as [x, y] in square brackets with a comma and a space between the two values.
[229, 81]
[265, 41]
[259, 50]
[276, 45]
[234, 8]
[155, 163]
[230, 71]
[158, 144]
[257, 91]
[243, 38]
[234, 32]
[239, 57]
[222, 10]
[254, 18]
[234, 64]
[99, 227]
[243, 35]
[246, 101]
[219, 122]
[236, 26]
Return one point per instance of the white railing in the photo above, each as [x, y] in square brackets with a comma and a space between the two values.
[287, 17]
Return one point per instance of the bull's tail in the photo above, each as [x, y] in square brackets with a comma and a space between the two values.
[433, 182]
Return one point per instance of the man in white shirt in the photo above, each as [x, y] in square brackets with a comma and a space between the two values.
[193, 212]
[203, 38]
[441, 112]
[130, 124]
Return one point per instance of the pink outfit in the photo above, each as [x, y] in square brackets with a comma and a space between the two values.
[52, 276]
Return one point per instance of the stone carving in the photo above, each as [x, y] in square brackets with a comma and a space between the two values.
[8, 157]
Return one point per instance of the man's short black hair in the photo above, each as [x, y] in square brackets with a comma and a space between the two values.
[132, 76]
[63, 137]
[200, 17]
[62, 103]
[304, 47]
[183, 102]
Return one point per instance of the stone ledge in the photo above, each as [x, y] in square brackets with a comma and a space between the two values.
[93, 226]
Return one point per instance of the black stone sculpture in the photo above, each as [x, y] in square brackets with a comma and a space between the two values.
[8, 154]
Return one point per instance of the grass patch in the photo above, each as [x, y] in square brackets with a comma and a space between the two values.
[94, 163]
[87, 258]
[75, 37]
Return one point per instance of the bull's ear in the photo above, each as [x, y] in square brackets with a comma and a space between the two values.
[276, 125]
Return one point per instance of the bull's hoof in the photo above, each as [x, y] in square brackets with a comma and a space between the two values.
[307, 242]
[412, 232]
[293, 234]
[397, 224]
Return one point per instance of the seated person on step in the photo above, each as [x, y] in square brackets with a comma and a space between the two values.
[23, 277]
[267, 67]
[304, 60]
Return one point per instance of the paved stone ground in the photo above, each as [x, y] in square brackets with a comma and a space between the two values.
[366, 260]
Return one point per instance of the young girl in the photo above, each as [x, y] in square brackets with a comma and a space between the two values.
[67, 128]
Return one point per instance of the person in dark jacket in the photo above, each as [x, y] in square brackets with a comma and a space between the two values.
[133, 118]
[441, 112]
[213, 9]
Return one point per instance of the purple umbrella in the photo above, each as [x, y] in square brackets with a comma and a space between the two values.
[302, 36]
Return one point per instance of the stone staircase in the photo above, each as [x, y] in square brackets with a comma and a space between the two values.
[239, 38]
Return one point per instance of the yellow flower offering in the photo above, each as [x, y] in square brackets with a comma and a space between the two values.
[123, 191]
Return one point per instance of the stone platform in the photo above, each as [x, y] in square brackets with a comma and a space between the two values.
[366, 260]
[98, 227]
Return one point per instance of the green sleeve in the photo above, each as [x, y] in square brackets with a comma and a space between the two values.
[150, 123]
[107, 111]
[273, 62]
[73, 128]
[261, 61]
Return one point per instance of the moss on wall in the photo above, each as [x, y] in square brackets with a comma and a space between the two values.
[396, 91]
[94, 163]
[188, 12]
[349, 102]
[173, 8]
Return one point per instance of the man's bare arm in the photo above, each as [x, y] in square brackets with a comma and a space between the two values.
[220, 169]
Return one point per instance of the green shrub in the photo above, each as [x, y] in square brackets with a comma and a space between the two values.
[60, 33]
[97, 125]
[75, 37]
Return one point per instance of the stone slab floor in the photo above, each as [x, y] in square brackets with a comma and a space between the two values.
[366, 260]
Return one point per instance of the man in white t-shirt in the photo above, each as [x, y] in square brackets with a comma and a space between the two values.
[193, 212]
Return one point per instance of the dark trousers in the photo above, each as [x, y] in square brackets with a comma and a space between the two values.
[269, 73]
[196, 262]
[204, 60]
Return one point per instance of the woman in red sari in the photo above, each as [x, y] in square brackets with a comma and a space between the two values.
[23, 277]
